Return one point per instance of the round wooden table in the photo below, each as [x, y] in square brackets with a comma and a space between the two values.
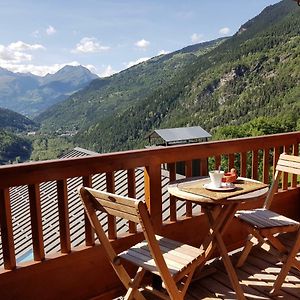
[219, 214]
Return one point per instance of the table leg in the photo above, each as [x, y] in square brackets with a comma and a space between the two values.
[220, 224]
[228, 213]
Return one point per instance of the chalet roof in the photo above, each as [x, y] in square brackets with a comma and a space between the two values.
[49, 206]
[180, 134]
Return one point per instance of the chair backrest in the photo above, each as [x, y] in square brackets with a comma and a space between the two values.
[289, 164]
[286, 163]
[129, 209]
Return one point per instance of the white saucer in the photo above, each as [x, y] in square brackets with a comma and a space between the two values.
[224, 187]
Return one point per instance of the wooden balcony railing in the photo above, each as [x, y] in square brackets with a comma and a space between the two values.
[252, 157]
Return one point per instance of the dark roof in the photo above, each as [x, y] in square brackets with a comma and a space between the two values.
[180, 134]
[48, 191]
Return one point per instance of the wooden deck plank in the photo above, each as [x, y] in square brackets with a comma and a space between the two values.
[256, 277]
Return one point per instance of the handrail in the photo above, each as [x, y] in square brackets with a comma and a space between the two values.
[35, 173]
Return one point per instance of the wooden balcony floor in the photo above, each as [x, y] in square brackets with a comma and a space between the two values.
[256, 277]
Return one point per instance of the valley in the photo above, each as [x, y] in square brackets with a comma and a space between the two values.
[243, 85]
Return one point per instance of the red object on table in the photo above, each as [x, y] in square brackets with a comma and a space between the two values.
[230, 176]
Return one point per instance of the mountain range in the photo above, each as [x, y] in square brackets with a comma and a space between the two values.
[29, 94]
[252, 76]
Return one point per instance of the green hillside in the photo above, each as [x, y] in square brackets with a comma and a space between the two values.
[15, 122]
[108, 97]
[13, 148]
[251, 79]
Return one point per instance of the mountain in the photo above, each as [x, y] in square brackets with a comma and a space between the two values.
[106, 97]
[251, 78]
[30, 94]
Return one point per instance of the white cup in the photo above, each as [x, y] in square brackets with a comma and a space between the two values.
[216, 178]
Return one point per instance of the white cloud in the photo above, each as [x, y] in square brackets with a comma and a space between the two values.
[108, 71]
[224, 31]
[89, 45]
[142, 44]
[50, 30]
[138, 61]
[17, 52]
[197, 38]
[161, 52]
[21, 46]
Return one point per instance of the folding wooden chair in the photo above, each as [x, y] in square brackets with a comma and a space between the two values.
[264, 225]
[173, 261]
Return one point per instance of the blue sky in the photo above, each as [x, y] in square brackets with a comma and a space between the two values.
[110, 35]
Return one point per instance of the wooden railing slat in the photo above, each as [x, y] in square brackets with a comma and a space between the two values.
[295, 152]
[188, 173]
[217, 162]
[230, 161]
[153, 195]
[132, 194]
[254, 173]
[112, 224]
[173, 209]
[285, 175]
[63, 214]
[204, 166]
[7, 239]
[89, 231]
[36, 222]
[266, 156]
[243, 162]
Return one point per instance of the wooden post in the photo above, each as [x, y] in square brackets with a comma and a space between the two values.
[132, 194]
[63, 214]
[203, 166]
[230, 161]
[295, 152]
[188, 173]
[89, 231]
[112, 225]
[243, 158]
[36, 222]
[173, 208]
[266, 165]
[153, 195]
[254, 164]
[7, 238]
[217, 162]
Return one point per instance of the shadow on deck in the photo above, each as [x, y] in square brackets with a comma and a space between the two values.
[257, 277]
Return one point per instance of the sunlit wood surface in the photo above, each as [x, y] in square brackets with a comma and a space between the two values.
[257, 277]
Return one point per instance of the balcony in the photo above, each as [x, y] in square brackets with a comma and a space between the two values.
[62, 242]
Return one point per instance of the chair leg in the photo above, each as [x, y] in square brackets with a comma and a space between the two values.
[245, 252]
[275, 243]
[133, 292]
[290, 261]
[187, 281]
